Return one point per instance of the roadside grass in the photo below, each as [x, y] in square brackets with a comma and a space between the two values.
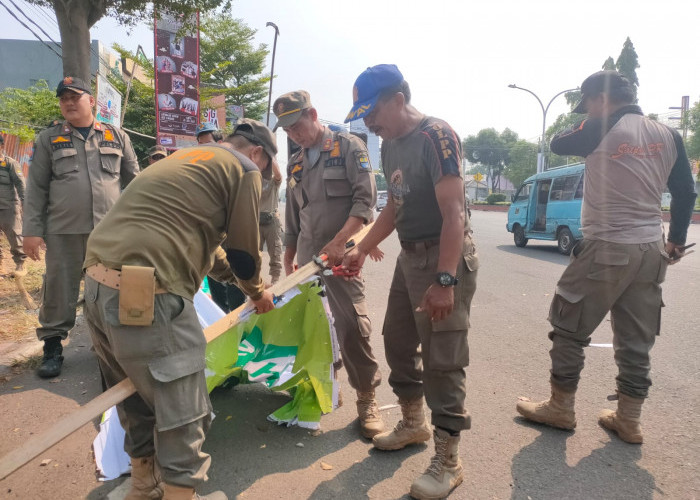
[16, 321]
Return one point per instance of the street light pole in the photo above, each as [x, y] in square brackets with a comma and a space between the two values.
[540, 155]
[272, 70]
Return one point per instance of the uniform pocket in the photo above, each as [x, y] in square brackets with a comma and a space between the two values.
[5, 177]
[336, 183]
[565, 311]
[363, 321]
[449, 350]
[111, 159]
[64, 161]
[608, 266]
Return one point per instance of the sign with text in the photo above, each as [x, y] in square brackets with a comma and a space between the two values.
[176, 80]
[109, 103]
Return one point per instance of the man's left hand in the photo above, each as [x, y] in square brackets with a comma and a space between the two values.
[438, 302]
[335, 251]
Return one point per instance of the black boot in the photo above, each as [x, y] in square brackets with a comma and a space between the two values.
[52, 361]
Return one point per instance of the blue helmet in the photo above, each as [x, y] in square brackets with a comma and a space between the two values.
[206, 127]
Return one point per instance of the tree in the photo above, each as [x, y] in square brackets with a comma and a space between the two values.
[26, 111]
[490, 151]
[693, 142]
[380, 181]
[609, 64]
[231, 65]
[627, 64]
[522, 162]
[76, 17]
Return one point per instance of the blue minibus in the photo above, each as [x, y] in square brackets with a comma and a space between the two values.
[548, 207]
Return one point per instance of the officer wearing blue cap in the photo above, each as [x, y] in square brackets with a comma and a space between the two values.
[427, 316]
[208, 132]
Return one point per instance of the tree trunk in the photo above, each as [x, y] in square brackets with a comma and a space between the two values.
[75, 18]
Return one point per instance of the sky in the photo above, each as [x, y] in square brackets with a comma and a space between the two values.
[460, 56]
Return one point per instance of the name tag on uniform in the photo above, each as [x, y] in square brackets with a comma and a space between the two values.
[110, 144]
[335, 162]
[61, 142]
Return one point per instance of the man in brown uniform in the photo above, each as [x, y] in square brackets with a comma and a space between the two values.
[11, 197]
[427, 317]
[144, 264]
[620, 263]
[270, 224]
[330, 195]
[78, 171]
[155, 154]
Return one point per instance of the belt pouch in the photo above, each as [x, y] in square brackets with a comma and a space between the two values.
[137, 292]
[266, 218]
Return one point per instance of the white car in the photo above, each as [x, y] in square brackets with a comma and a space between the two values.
[381, 200]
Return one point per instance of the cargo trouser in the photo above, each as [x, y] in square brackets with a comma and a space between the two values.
[602, 277]
[271, 235]
[169, 415]
[428, 358]
[65, 254]
[353, 329]
[11, 225]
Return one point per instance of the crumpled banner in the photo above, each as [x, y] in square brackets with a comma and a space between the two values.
[291, 348]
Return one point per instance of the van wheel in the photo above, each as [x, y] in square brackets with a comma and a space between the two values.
[519, 236]
[565, 241]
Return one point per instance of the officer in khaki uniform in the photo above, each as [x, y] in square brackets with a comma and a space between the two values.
[78, 170]
[427, 316]
[144, 263]
[330, 195]
[270, 224]
[11, 197]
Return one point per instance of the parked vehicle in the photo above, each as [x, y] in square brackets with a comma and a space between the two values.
[381, 200]
[548, 207]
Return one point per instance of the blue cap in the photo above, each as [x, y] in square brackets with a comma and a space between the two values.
[369, 85]
[206, 127]
[336, 128]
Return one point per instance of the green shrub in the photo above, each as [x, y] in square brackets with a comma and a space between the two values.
[494, 198]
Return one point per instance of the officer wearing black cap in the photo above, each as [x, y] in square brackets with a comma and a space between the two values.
[78, 170]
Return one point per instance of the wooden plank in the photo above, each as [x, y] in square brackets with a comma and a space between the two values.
[74, 421]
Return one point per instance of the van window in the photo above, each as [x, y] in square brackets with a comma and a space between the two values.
[523, 193]
[564, 188]
[579, 188]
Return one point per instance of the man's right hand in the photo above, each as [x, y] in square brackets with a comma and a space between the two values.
[354, 260]
[265, 303]
[32, 246]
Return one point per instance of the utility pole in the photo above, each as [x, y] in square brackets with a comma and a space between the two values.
[684, 107]
[272, 70]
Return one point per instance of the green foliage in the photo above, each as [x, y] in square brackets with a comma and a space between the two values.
[490, 151]
[609, 64]
[693, 141]
[522, 162]
[495, 198]
[627, 64]
[25, 112]
[380, 181]
[231, 65]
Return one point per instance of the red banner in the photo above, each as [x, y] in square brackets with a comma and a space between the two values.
[176, 80]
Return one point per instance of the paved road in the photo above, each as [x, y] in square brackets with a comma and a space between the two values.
[504, 457]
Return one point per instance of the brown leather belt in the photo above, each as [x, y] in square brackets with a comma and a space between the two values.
[111, 277]
[410, 246]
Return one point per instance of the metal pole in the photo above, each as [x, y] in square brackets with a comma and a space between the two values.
[541, 154]
[272, 70]
[128, 84]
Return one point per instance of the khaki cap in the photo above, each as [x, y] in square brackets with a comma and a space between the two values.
[289, 107]
[257, 133]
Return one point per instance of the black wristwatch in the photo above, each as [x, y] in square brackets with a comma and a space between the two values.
[446, 279]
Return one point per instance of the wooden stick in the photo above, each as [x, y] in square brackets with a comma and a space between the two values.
[75, 420]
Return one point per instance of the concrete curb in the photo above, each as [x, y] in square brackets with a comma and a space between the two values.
[13, 352]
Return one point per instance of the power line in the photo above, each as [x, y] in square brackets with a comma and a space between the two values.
[32, 31]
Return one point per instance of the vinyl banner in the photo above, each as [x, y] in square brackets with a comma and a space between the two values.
[176, 80]
[109, 103]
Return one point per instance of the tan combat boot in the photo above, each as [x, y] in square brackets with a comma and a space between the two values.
[557, 411]
[626, 420]
[445, 471]
[411, 429]
[371, 422]
[146, 483]
[179, 493]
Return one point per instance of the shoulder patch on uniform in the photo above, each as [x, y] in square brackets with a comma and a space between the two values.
[98, 126]
[446, 146]
[363, 164]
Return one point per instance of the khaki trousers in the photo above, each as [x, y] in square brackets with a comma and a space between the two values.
[65, 254]
[271, 235]
[11, 225]
[428, 358]
[169, 415]
[602, 277]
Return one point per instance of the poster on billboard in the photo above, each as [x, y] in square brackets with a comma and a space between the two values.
[176, 80]
[109, 103]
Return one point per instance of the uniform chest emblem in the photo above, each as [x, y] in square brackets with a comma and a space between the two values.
[109, 135]
[335, 153]
[61, 142]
